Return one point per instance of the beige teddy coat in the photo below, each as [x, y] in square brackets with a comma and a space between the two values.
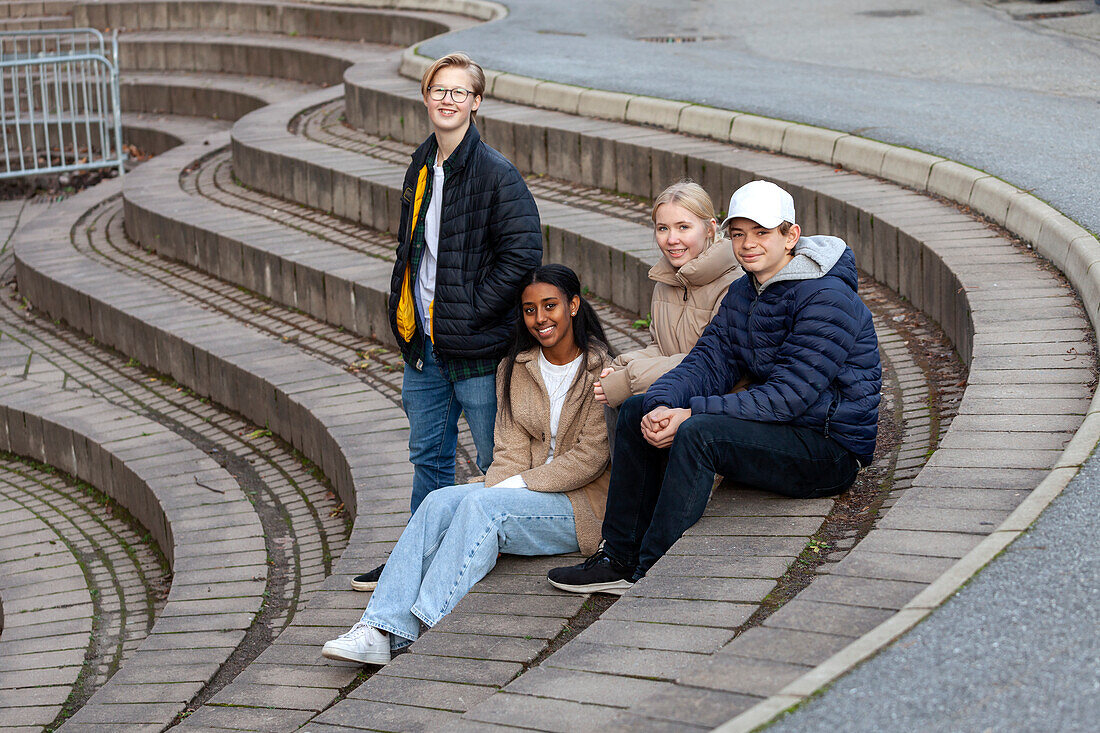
[579, 467]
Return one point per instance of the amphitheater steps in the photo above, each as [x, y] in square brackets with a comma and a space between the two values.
[793, 170]
[970, 278]
[216, 96]
[225, 705]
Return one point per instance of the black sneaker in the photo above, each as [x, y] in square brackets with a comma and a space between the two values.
[597, 574]
[367, 581]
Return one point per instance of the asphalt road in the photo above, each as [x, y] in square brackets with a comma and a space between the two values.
[958, 78]
[1017, 649]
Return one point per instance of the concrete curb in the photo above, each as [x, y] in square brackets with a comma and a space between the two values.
[480, 9]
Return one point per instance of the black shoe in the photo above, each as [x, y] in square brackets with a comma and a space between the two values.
[597, 574]
[367, 581]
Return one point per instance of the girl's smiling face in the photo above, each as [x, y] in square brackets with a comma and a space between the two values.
[681, 235]
[445, 114]
[549, 316]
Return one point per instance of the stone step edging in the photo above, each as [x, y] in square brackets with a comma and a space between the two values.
[156, 476]
[336, 23]
[215, 96]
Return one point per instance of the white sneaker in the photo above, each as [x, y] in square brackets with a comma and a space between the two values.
[361, 643]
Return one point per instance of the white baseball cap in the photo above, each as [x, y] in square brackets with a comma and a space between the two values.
[763, 202]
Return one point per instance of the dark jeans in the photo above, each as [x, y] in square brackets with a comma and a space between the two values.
[650, 505]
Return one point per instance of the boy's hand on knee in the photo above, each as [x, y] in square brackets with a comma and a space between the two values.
[660, 425]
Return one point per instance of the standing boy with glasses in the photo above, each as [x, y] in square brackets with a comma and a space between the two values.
[795, 326]
[469, 234]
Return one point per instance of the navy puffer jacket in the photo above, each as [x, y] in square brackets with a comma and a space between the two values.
[808, 345]
[489, 239]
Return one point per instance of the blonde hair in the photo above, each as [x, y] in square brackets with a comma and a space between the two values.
[691, 196]
[458, 60]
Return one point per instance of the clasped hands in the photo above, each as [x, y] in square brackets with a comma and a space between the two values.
[659, 426]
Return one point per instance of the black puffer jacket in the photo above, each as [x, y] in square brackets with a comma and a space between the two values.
[489, 239]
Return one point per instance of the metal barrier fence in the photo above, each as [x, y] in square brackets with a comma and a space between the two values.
[60, 104]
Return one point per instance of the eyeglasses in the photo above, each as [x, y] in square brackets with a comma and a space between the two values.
[458, 94]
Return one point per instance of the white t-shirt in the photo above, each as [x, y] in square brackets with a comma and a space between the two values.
[425, 280]
[558, 380]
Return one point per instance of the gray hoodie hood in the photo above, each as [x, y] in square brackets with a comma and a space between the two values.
[813, 258]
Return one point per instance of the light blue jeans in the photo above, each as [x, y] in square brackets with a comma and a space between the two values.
[433, 405]
[452, 541]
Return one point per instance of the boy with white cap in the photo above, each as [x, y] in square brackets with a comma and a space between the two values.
[796, 327]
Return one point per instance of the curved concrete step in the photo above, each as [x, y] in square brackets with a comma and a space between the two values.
[174, 490]
[302, 60]
[611, 255]
[216, 96]
[391, 26]
[36, 23]
[158, 133]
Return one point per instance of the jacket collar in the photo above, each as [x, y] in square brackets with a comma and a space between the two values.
[595, 358]
[714, 262]
[458, 158]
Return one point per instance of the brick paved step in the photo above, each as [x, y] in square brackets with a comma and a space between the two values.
[157, 133]
[217, 96]
[39, 663]
[82, 588]
[300, 398]
[291, 543]
[156, 476]
[304, 60]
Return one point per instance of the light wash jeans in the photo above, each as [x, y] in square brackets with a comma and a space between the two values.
[452, 541]
[433, 405]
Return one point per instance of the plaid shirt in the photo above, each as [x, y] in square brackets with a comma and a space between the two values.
[453, 369]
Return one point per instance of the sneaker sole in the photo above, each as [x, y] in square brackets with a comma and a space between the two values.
[379, 658]
[614, 587]
[361, 585]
